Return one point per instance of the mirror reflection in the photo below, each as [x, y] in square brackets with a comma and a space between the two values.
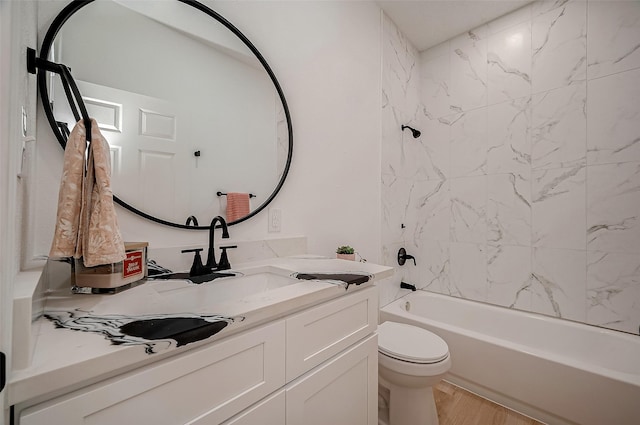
[186, 106]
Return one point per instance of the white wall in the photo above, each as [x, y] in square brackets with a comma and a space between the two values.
[326, 56]
[17, 90]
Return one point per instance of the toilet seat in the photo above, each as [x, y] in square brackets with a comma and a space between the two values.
[411, 344]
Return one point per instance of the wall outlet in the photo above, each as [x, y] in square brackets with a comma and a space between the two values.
[275, 220]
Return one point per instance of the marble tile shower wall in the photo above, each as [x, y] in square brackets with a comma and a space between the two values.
[524, 189]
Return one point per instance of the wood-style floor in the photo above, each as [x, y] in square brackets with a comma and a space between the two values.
[460, 407]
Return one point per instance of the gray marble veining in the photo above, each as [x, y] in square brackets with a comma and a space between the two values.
[558, 208]
[614, 37]
[509, 276]
[509, 137]
[613, 208]
[613, 289]
[613, 118]
[509, 209]
[559, 44]
[468, 59]
[509, 63]
[558, 283]
[468, 209]
[469, 143]
[559, 127]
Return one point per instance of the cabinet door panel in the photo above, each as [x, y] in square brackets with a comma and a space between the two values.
[341, 392]
[211, 383]
[319, 333]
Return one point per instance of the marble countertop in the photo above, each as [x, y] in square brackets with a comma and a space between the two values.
[77, 342]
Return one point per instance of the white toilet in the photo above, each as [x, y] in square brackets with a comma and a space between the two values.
[411, 360]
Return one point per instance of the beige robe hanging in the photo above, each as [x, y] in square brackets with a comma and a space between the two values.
[87, 225]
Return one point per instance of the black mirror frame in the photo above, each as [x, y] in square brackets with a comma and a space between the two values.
[76, 5]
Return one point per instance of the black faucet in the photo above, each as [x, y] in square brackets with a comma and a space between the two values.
[211, 255]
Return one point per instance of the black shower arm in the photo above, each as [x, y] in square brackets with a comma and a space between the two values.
[414, 132]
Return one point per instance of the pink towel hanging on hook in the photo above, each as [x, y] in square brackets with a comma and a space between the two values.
[237, 205]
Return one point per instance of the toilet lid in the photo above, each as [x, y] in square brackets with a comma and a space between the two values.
[411, 343]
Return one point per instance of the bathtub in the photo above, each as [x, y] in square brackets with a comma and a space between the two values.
[556, 371]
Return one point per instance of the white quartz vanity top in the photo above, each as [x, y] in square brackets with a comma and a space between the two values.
[65, 359]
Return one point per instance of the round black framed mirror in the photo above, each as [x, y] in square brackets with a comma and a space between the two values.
[176, 87]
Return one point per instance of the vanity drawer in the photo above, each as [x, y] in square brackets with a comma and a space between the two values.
[206, 386]
[319, 333]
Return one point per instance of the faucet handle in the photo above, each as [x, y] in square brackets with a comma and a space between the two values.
[224, 264]
[197, 269]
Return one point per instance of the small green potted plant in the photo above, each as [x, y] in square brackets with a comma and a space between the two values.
[345, 252]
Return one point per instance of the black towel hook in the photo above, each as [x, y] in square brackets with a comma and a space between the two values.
[68, 84]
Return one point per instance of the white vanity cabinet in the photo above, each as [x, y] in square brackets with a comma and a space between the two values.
[316, 366]
[344, 391]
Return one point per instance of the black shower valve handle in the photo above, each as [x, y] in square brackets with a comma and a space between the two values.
[403, 257]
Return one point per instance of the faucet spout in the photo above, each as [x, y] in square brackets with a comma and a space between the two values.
[211, 254]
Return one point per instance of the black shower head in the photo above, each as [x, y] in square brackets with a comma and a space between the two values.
[416, 133]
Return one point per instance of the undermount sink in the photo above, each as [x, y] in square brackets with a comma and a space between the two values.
[259, 282]
[238, 288]
[193, 279]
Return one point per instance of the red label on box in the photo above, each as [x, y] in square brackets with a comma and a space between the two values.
[132, 264]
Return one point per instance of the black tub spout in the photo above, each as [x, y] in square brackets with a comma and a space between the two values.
[405, 285]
